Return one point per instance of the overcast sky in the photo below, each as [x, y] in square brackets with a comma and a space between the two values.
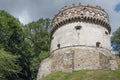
[31, 10]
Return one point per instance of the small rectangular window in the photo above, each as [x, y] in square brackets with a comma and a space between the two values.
[78, 27]
[58, 45]
[97, 44]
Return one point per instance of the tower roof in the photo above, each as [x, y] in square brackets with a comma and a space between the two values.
[82, 13]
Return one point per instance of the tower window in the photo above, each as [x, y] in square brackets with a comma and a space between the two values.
[58, 45]
[81, 14]
[52, 38]
[78, 27]
[84, 8]
[97, 44]
[106, 32]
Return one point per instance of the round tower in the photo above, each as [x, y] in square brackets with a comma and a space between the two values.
[80, 39]
[80, 25]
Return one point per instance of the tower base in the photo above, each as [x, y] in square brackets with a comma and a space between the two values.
[76, 58]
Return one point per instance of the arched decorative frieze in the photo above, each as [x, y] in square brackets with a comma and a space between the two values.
[81, 19]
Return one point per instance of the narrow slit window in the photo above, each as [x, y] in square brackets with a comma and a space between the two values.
[58, 45]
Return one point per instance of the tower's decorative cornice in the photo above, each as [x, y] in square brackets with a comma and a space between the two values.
[81, 13]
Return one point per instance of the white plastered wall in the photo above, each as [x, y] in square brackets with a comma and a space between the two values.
[88, 35]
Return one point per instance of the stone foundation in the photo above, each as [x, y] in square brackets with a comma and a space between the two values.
[76, 58]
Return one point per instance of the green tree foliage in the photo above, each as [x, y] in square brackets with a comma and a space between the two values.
[38, 37]
[11, 37]
[38, 34]
[8, 64]
[116, 40]
[8, 25]
[24, 47]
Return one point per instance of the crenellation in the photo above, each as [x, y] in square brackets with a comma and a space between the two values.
[78, 11]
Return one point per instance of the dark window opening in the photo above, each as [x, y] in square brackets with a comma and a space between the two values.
[81, 14]
[58, 45]
[106, 32]
[78, 27]
[52, 38]
[84, 8]
[97, 44]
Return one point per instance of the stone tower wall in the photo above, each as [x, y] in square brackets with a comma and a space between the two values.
[88, 35]
[80, 39]
[80, 25]
[77, 58]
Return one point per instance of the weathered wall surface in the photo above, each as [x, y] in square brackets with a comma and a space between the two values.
[88, 35]
[76, 58]
[45, 68]
[79, 40]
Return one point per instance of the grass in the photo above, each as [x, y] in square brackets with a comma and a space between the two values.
[85, 75]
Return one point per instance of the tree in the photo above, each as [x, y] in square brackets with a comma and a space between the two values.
[8, 64]
[37, 36]
[8, 24]
[115, 39]
[11, 38]
[23, 46]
